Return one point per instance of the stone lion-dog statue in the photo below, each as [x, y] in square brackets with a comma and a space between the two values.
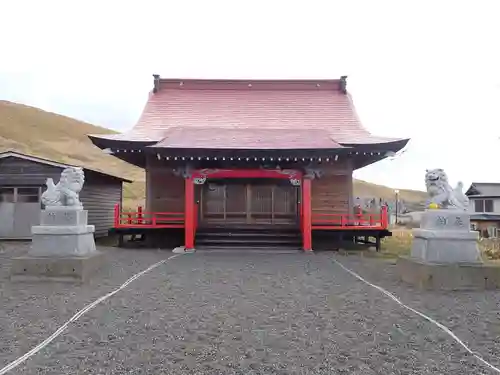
[441, 194]
[67, 191]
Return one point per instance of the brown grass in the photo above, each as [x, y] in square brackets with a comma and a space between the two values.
[401, 241]
[367, 189]
[48, 135]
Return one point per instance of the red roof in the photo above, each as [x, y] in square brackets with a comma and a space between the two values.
[249, 114]
[220, 138]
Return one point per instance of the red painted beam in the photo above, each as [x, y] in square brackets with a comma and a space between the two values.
[248, 173]
[306, 214]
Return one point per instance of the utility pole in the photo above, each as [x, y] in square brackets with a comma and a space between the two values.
[397, 199]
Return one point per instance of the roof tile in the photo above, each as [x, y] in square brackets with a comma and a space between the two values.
[290, 106]
[245, 138]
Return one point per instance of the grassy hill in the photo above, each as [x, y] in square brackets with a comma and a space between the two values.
[48, 135]
[367, 189]
[33, 131]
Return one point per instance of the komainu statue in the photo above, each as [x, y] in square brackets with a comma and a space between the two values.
[66, 192]
[441, 194]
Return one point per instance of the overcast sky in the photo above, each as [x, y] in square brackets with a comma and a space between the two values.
[428, 70]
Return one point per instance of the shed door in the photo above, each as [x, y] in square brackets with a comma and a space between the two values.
[27, 211]
[19, 211]
[7, 207]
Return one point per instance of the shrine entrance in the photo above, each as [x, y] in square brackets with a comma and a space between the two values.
[249, 202]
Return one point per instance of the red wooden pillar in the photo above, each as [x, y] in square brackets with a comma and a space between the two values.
[306, 214]
[189, 220]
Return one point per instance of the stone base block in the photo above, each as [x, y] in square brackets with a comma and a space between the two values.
[69, 269]
[63, 216]
[62, 241]
[182, 250]
[438, 276]
[445, 246]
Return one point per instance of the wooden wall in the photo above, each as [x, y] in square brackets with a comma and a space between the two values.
[164, 190]
[99, 195]
[21, 172]
[333, 192]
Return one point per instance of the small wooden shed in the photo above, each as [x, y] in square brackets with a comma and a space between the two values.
[22, 181]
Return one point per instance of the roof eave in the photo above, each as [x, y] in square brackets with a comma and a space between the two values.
[391, 146]
[380, 151]
[36, 159]
[104, 143]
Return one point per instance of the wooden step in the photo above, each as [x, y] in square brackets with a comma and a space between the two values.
[245, 235]
[253, 241]
[253, 250]
[248, 238]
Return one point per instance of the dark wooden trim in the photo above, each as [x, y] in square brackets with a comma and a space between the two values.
[149, 147]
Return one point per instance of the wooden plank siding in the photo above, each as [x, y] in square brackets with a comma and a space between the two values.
[165, 191]
[100, 199]
[333, 192]
[20, 172]
[99, 194]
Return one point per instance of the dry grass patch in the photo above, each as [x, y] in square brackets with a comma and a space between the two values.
[397, 245]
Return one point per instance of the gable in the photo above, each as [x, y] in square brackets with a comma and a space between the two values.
[484, 189]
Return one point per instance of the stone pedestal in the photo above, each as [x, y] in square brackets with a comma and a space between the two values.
[445, 255]
[63, 248]
[448, 276]
[445, 237]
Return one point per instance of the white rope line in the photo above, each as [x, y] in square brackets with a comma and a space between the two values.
[429, 319]
[75, 317]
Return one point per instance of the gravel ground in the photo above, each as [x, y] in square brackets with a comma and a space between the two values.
[243, 314]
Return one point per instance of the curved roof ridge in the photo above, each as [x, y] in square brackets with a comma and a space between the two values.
[300, 104]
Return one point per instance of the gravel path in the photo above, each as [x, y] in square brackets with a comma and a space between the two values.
[243, 314]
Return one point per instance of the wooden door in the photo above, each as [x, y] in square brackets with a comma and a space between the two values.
[285, 204]
[249, 203]
[260, 204]
[213, 203]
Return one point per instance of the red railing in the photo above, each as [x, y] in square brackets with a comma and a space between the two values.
[350, 221]
[141, 219]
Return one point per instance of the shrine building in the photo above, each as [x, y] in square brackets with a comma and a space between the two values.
[250, 163]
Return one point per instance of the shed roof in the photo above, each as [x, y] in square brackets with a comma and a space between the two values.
[40, 160]
[485, 217]
[485, 189]
[282, 108]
